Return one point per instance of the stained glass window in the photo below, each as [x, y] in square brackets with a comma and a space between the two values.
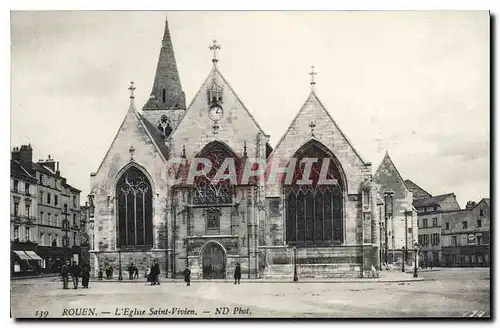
[314, 210]
[135, 209]
[222, 191]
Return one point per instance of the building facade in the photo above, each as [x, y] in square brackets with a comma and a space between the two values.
[140, 214]
[54, 212]
[23, 212]
[398, 217]
[466, 236]
[430, 219]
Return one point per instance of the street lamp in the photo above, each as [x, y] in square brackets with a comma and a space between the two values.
[403, 265]
[120, 277]
[295, 277]
[415, 269]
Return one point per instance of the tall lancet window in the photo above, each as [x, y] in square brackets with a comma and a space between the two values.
[314, 210]
[135, 209]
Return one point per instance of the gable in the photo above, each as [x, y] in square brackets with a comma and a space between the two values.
[236, 126]
[327, 132]
[388, 177]
[146, 153]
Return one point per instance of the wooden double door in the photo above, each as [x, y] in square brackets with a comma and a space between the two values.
[214, 262]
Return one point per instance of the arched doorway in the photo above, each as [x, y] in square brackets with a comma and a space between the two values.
[214, 262]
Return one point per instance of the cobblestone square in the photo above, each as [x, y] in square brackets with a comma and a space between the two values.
[444, 293]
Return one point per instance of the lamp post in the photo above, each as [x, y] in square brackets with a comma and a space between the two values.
[403, 262]
[120, 277]
[295, 276]
[415, 269]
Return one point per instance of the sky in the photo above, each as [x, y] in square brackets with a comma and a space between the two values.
[415, 84]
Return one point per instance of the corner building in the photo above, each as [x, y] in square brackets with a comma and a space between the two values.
[268, 227]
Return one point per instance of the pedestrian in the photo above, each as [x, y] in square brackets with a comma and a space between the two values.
[130, 270]
[86, 275]
[187, 276]
[75, 274]
[110, 272]
[147, 274]
[99, 276]
[65, 274]
[237, 274]
[136, 272]
[107, 273]
[155, 274]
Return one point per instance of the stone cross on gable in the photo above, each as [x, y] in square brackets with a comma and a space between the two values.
[312, 73]
[214, 47]
[132, 89]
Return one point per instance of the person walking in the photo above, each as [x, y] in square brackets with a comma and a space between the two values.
[75, 274]
[130, 270]
[187, 276]
[99, 276]
[65, 275]
[148, 274]
[155, 274]
[152, 277]
[136, 272]
[85, 275]
[237, 274]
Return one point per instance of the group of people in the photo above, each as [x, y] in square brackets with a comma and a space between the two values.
[152, 274]
[75, 271]
[133, 271]
[109, 273]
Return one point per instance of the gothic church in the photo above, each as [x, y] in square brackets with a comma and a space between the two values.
[140, 216]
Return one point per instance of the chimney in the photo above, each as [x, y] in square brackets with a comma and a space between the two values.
[58, 173]
[49, 163]
[24, 155]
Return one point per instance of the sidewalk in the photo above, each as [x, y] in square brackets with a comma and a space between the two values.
[385, 277]
[38, 276]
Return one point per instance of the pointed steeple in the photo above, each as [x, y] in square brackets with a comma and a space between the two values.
[167, 90]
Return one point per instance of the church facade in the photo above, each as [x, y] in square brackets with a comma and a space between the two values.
[151, 203]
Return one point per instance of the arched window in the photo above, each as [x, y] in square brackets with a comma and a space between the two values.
[314, 211]
[206, 191]
[135, 209]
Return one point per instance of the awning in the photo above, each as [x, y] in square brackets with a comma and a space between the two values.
[22, 255]
[33, 255]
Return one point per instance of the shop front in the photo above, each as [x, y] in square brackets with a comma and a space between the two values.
[467, 256]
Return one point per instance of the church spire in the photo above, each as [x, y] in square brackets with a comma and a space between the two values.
[167, 90]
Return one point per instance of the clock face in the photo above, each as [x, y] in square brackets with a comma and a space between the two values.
[215, 113]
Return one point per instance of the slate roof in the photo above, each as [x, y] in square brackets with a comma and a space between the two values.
[418, 192]
[156, 135]
[17, 169]
[435, 200]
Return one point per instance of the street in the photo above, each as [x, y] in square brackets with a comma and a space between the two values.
[457, 292]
